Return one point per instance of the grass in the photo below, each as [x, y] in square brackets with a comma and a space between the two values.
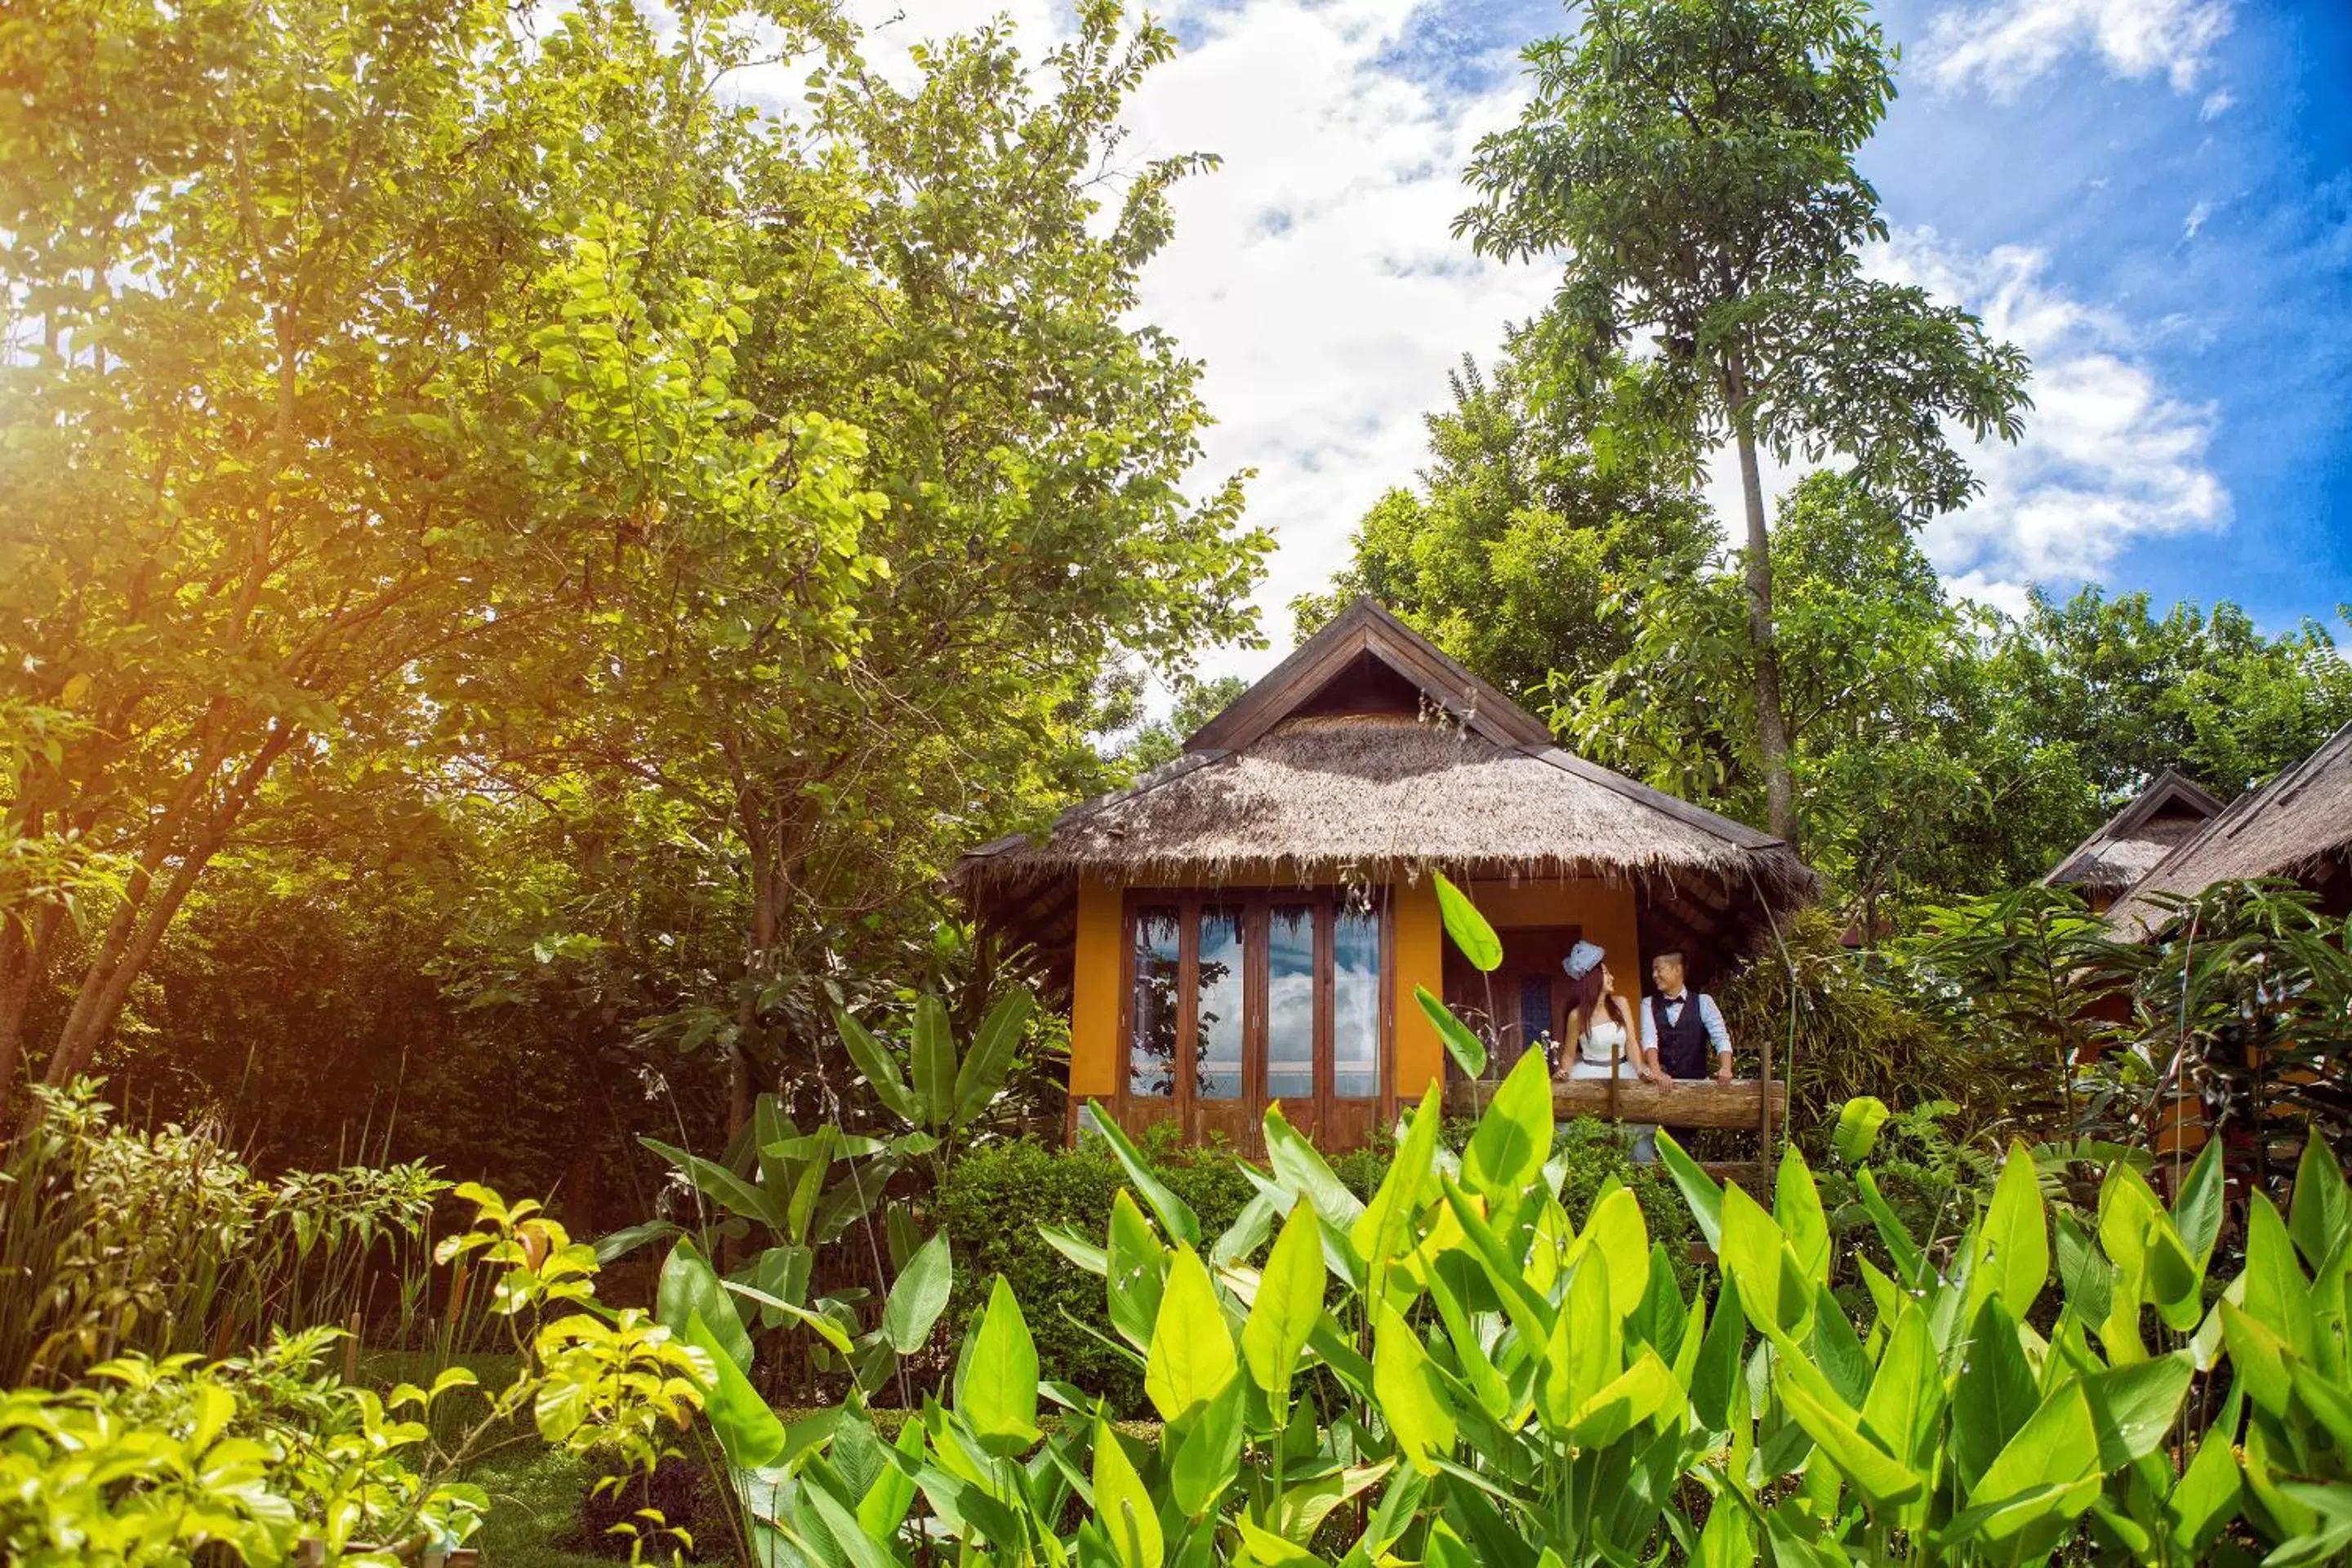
[535, 1497]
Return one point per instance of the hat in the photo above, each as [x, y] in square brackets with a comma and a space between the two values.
[1581, 959]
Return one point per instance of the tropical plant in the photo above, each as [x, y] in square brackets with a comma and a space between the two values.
[2242, 1004]
[166, 1461]
[1453, 1372]
[114, 1240]
[945, 1095]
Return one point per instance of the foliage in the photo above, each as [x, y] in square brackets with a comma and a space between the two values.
[1540, 495]
[1000, 1200]
[1493, 1382]
[2026, 976]
[2134, 692]
[2242, 1004]
[1841, 1027]
[151, 1461]
[1197, 702]
[115, 1241]
[1710, 197]
[693, 523]
[1910, 774]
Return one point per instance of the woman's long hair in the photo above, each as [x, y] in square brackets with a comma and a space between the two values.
[1584, 994]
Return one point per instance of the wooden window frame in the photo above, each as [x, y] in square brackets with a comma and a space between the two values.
[1256, 905]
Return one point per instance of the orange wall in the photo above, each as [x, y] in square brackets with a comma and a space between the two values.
[1419, 961]
[1604, 910]
[1094, 994]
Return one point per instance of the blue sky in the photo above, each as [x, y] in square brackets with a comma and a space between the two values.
[2154, 198]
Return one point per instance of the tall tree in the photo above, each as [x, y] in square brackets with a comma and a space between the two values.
[1693, 160]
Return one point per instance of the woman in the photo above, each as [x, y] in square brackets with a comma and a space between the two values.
[1601, 1022]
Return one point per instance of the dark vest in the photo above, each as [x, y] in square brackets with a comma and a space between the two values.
[1682, 1044]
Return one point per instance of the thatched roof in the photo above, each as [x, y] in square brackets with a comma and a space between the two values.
[1384, 798]
[2299, 825]
[1369, 754]
[2128, 846]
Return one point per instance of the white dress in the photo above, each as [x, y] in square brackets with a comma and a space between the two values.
[1604, 1042]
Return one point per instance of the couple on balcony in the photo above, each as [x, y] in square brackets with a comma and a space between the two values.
[1674, 1030]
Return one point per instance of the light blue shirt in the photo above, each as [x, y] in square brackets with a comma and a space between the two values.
[1710, 1019]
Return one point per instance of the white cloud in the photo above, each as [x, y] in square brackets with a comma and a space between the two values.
[2004, 43]
[2109, 458]
[1315, 274]
[2196, 219]
[2217, 104]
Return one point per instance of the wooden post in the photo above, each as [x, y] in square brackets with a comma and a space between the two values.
[352, 1352]
[1764, 1109]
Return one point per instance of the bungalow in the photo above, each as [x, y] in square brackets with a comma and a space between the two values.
[2298, 826]
[1250, 921]
[2103, 866]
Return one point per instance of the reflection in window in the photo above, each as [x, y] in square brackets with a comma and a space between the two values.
[1535, 1014]
[1290, 1002]
[1152, 1054]
[1355, 1006]
[1217, 1006]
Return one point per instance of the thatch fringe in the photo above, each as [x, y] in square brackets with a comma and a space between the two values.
[1344, 798]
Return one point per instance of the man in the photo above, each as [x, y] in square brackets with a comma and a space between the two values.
[1677, 1029]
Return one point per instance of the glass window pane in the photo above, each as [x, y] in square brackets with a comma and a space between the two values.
[1290, 1002]
[1534, 1012]
[1355, 1006]
[1217, 1006]
[1152, 1054]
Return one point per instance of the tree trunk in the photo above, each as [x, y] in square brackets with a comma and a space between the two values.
[1772, 724]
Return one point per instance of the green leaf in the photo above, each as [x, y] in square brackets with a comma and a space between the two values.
[918, 1296]
[932, 1057]
[1772, 1286]
[883, 1506]
[2207, 1495]
[1857, 1133]
[2277, 1295]
[1993, 1396]
[1289, 1301]
[1797, 1210]
[2133, 1407]
[1905, 1407]
[1419, 1416]
[721, 1185]
[996, 1385]
[991, 1056]
[2196, 1208]
[691, 1287]
[1136, 1271]
[1701, 1193]
[1175, 1215]
[1641, 1393]
[1887, 1481]
[1462, 1042]
[1505, 1157]
[1191, 1357]
[874, 1059]
[1467, 927]
[1206, 1451]
[2058, 1444]
[1300, 1166]
[2321, 1223]
[749, 1433]
[1381, 1232]
[2013, 1244]
[1123, 1506]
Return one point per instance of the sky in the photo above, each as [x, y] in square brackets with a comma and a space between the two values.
[2152, 197]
